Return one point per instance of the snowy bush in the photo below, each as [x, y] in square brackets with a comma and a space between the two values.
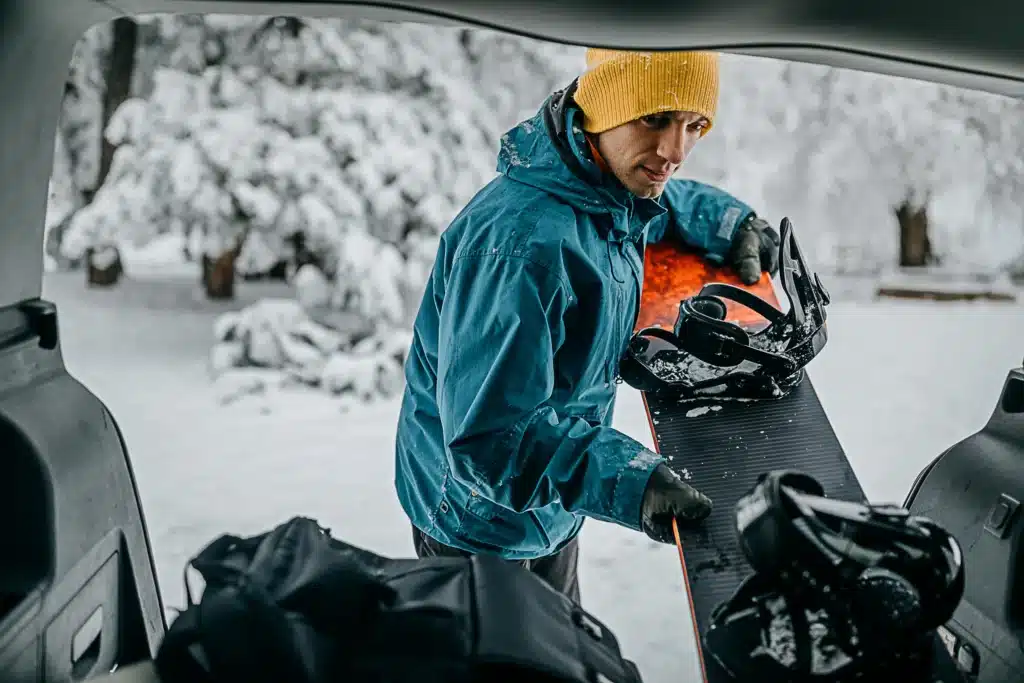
[63, 200]
[280, 335]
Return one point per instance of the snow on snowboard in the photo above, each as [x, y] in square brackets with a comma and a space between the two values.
[720, 431]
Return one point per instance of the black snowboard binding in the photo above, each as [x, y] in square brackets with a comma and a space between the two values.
[705, 355]
[840, 591]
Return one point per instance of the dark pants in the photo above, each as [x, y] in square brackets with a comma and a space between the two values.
[560, 570]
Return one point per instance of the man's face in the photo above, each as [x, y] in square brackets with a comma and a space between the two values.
[643, 154]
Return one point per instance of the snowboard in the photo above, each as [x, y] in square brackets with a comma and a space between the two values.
[721, 446]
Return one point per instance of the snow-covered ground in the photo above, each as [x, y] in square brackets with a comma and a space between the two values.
[899, 381]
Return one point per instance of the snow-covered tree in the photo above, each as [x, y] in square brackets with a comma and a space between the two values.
[396, 126]
[77, 143]
[839, 151]
[364, 137]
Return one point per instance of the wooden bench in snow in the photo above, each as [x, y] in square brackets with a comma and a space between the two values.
[939, 286]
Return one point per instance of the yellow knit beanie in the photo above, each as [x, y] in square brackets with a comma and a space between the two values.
[622, 86]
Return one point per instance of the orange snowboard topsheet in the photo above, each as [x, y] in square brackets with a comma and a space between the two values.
[673, 272]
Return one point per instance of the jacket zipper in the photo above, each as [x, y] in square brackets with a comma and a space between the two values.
[638, 288]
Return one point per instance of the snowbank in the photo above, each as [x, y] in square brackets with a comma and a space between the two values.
[942, 284]
[279, 343]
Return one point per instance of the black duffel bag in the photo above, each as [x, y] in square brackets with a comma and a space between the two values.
[298, 605]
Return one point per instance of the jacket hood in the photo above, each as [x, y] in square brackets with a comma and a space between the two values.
[547, 152]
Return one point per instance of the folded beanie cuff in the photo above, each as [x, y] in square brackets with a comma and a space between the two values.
[622, 86]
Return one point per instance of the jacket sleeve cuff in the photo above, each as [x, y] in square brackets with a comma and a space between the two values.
[732, 219]
[627, 497]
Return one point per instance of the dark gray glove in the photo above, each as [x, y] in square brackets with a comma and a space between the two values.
[668, 496]
[755, 249]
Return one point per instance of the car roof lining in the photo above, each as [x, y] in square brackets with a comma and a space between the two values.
[953, 42]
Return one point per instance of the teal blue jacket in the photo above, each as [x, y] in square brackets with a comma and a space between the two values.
[504, 443]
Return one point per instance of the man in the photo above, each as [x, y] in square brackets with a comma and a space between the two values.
[504, 441]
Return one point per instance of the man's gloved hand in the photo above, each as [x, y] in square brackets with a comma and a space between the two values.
[668, 496]
[755, 248]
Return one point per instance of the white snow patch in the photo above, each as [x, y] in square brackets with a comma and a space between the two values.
[104, 257]
[643, 460]
[702, 410]
[312, 288]
[162, 256]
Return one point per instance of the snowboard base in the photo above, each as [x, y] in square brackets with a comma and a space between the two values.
[720, 447]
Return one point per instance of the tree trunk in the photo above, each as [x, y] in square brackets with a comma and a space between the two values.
[915, 247]
[103, 266]
[218, 272]
[219, 275]
[117, 75]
